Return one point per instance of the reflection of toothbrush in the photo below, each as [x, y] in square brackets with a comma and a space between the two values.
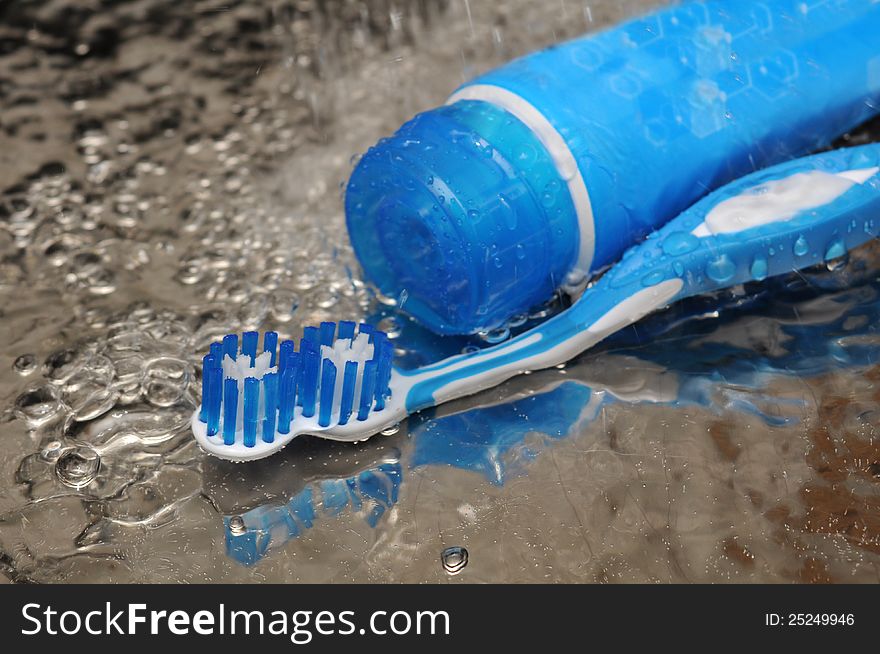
[787, 217]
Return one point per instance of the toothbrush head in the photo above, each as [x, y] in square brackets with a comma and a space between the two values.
[256, 400]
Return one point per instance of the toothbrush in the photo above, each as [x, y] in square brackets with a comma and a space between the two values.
[341, 385]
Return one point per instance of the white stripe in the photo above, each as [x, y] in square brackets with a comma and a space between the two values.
[556, 147]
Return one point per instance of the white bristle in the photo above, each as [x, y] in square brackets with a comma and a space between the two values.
[343, 350]
[240, 369]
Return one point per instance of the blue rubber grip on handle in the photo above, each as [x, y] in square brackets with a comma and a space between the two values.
[788, 217]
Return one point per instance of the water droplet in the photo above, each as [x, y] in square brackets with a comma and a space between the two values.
[52, 450]
[721, 270]
[758, 269]
[801, 247]
[679, 243]
[236, 525]
[574, 279]
[37, 405]
[454, 559]
[495, 335]
[61, 366]
[78, 466]
[391, 430]
[653, 278]
[678, 268]
[391, 326]
[835, 250]
[508, 213]
[25, 364]
[470, 349]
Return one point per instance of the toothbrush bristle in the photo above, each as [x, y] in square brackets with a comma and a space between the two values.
[340, 373]
[249, 344]
[270, 343]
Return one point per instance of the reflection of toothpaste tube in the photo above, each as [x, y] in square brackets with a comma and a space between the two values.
[559, 161]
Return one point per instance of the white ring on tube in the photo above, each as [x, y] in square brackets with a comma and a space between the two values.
[558, 150]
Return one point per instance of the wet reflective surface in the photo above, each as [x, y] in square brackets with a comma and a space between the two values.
[172, 173]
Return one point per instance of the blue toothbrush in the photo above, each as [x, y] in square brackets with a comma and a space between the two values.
[341, 384]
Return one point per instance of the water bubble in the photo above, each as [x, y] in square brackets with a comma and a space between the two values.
[836, 264]
[508, 213]
[721, 270]
[62, 365]
[574, 280]
[89, 396]
[391, 430]
[52, 451]
[495, 335]
[470, 349]
[835, 250]
[37, 405]
[78, 466]
[678, 243]
[758, 269]
[236, 525]
[391, 326]
[801, 247]
[653, 278]
[25, 364]
[454, 559]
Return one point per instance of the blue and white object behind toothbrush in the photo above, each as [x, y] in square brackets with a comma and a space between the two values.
[771, 222]
[554, 164]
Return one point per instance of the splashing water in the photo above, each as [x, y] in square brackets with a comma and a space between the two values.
[168, 200]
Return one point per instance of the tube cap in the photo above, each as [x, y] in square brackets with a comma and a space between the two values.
[463, 217]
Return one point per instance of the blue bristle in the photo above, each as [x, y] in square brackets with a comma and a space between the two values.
[383, 370]
[346, 329]
[309, 383]
[364, 328]
[230, 346]
[251, 410]
[213, 402]
[249, 344]
[270, 344]
[310, 335]
[287, 395]
[303, 379]
[328, 386]
[304, 346]
[230, 410]
[270, 401]
[368, 386]
[328, 333]
[284, 351]
[208, 362]
[349, 380]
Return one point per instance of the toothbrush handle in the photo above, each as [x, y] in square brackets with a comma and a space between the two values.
[769, 223]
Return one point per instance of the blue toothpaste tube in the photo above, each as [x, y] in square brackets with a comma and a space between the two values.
[548, 168]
